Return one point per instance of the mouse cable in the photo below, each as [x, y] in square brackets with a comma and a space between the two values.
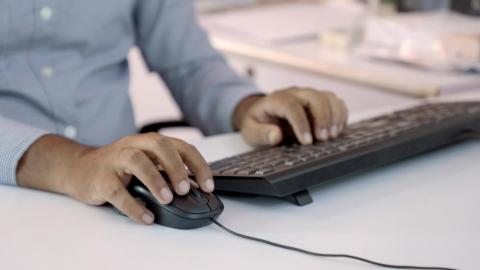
[324, 254]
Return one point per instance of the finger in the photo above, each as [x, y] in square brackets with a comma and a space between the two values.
[259, 134]
[345, 115]
[116, 194]
[197, 164]
[139, 164]
[320, 112]
[336, 114]
[161, 148]
[294, 112]
[175, 168]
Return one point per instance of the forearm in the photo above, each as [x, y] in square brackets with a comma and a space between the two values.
[48, 164]
[208, 93]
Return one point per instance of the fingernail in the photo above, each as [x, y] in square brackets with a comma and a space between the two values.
[209, 186]
[324, 134]
[272, 136]
[308, 138]
[148, 218]
[334, 131]
[183, 187]
[166, 195]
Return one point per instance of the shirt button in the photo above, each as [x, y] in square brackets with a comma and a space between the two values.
[70, 132]
[47, 72]
[46, 13]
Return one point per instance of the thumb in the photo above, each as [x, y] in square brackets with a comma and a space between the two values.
[258, 134]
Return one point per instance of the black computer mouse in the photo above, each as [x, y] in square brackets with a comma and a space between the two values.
[194, 210]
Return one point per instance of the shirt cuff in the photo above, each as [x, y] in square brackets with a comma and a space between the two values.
[15, 139]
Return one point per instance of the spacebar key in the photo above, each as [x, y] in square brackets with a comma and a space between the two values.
[245, 172]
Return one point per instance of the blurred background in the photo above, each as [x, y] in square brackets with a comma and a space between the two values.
[369, 52]
[464, 6]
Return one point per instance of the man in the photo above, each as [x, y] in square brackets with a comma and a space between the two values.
[66, 122]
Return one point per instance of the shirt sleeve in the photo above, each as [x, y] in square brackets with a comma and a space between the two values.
[202, 83]
[15, 139]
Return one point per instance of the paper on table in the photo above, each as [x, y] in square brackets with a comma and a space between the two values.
[436, 41]
[381, 75]
[276, 33]
[284, 22]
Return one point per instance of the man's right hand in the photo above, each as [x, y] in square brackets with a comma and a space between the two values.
[99, 175]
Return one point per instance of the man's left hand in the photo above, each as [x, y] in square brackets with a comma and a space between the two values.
[310, 114]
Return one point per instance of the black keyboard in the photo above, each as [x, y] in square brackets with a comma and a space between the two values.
[289, 170]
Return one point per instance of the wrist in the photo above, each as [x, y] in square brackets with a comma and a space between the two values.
[73, 176]
[50, 164]
[242, 109]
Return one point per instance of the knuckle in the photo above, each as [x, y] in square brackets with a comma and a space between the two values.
[295, 91]
[175, 165]
[291, 102]
[287, 89]
[190, 148]
[292, 89]
[134, 155]
[321, 101]
[323, 98]
[178, 176]
[126, 140]
[161, 140]
[280, 94]
[329, 98]
[112, 191]
[152, 135]
[310, 89]
[277, 95]
[177, 142]
[329, 94]
[307, 91]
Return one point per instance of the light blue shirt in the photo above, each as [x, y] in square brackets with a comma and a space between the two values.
[64, 70]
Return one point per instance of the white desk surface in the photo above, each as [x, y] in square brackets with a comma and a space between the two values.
[420, 211]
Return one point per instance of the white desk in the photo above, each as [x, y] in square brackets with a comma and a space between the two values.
[420, 211]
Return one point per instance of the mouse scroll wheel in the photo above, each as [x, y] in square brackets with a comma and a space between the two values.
[196, 193]
[198, 196]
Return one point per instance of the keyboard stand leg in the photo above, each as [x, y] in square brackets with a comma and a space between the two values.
[300, 198]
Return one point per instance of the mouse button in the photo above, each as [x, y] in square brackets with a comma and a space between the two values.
[214, 202]
[187, 204]
[140, 192]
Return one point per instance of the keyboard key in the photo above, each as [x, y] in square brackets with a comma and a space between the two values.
[368, 133]
[244, 172]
